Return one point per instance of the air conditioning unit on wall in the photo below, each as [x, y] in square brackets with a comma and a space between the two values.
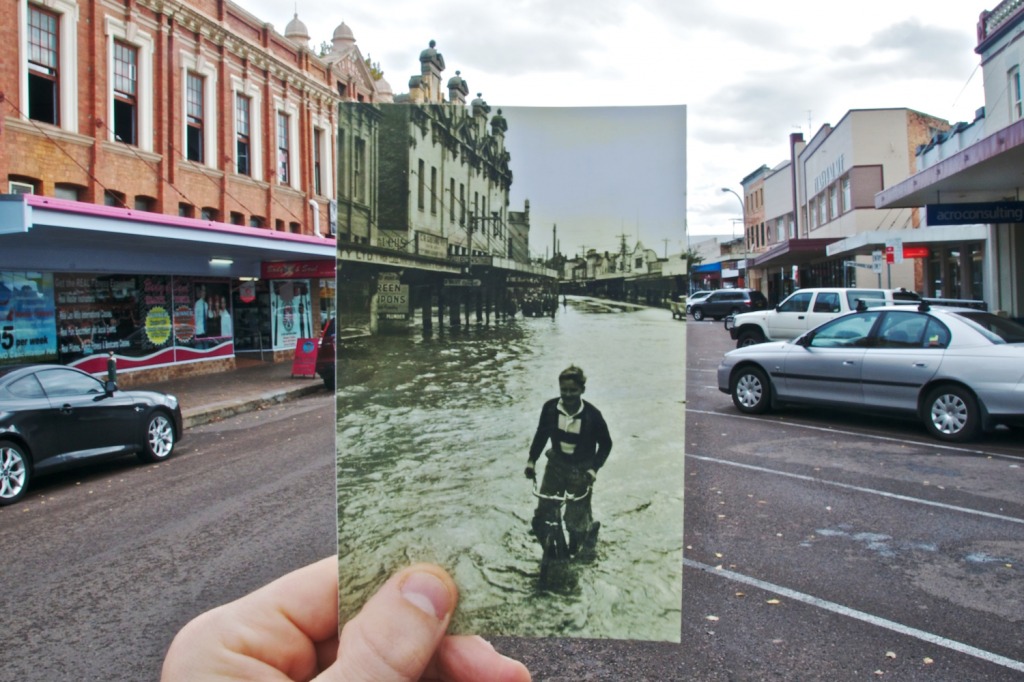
[20, 188]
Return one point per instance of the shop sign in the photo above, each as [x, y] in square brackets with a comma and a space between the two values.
[395, 240]
[247, 292]
[973, 213]
[431, 245]
[462, 282]
[392, 298]
[304, 362]
[302, 269]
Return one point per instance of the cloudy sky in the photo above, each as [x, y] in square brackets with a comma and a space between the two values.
[749, 72]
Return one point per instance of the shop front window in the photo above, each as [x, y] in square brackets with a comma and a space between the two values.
[953, 275]
[26, 318]
[977, 256]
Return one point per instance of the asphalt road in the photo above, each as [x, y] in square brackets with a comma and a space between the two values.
[818, 547]
[102, 567]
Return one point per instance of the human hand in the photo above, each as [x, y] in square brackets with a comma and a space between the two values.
[591, 476]
[531, 473]
[288, 630]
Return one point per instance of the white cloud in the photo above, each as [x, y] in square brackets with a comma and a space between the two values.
[750, 72]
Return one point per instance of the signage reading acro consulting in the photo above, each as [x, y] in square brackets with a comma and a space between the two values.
[969, 214]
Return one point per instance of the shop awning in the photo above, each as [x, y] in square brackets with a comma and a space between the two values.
[991, 169]
[792, 252]
[38, 232]
[864, 243]
[709, 267]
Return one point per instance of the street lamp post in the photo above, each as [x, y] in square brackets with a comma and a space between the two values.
[743, 213]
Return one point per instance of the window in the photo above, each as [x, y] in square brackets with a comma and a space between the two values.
[318, 136]
[243, 150]
[194, 118]
[43, 66]
[827, 302]
[1015, 93]
[359, 169]
[237, 218]
[63, 190]
[186, 210]
[797, 303]
[283, 162]
[421, 185]
[126, 91]
[847, 200]
[113, 198]
[144, 203]
[209, 213]
[256, 221]
[462, 204]
[433, 190]
[833, 203]
[451, 200]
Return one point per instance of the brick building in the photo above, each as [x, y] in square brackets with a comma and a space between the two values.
[178, 152]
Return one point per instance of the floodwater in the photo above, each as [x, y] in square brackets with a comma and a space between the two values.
[433, 437]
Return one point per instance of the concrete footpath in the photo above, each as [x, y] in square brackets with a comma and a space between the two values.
[250, 386]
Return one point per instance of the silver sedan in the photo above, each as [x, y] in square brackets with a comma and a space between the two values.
[960, 371]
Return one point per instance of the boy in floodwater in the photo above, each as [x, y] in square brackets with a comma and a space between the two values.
[580, 445]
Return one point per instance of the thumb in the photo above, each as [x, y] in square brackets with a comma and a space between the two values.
[394, 636]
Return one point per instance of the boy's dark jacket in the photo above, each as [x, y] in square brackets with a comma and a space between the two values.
[592, 448]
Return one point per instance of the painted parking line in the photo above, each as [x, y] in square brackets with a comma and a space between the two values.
[860, 489]
[846, 611]
[860, 434]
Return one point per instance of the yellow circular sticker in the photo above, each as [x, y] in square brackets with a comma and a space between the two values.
[158, 325]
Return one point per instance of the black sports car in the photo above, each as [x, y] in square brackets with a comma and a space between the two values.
[54, 417]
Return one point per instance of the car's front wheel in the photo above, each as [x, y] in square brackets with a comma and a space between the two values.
[159, 438]
[751, 390]
[749, 337]
[698, 314]
[951, 413]
[15, 472]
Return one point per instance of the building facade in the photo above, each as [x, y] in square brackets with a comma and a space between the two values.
[185, 151]
[968, 181]
[835, 177]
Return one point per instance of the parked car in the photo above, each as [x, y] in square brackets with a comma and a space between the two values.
[54, 417]
[805, 309]
[728, 302]
[958, 370]
[325, 362]
[696, 297]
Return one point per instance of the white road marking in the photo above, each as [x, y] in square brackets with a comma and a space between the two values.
[861, 616]
[860, 434]
[857, 488]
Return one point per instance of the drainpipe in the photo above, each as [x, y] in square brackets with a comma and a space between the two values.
[316, 217]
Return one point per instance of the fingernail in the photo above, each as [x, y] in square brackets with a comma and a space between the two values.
[426, 592]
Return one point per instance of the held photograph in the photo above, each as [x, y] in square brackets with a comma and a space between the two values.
[523, 432]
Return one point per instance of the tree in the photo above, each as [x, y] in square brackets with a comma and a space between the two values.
[693, 259]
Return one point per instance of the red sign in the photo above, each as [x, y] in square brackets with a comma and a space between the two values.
[304, 363]
[247, 292]
[297, 269]
[915, 251]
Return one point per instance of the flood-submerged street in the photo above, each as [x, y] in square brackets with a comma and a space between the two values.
[433, 436]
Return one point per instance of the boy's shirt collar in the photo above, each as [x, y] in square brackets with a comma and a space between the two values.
[561, 408]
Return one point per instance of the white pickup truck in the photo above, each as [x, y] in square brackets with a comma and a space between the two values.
[805, 309]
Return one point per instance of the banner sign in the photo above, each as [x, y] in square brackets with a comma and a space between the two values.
[301, 269]
[304, 362]
[969, 214]
[392, 298]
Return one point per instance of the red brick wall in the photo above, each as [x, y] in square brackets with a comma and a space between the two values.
[89, 160]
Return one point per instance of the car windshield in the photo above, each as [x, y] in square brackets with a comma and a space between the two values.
[996, 329]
